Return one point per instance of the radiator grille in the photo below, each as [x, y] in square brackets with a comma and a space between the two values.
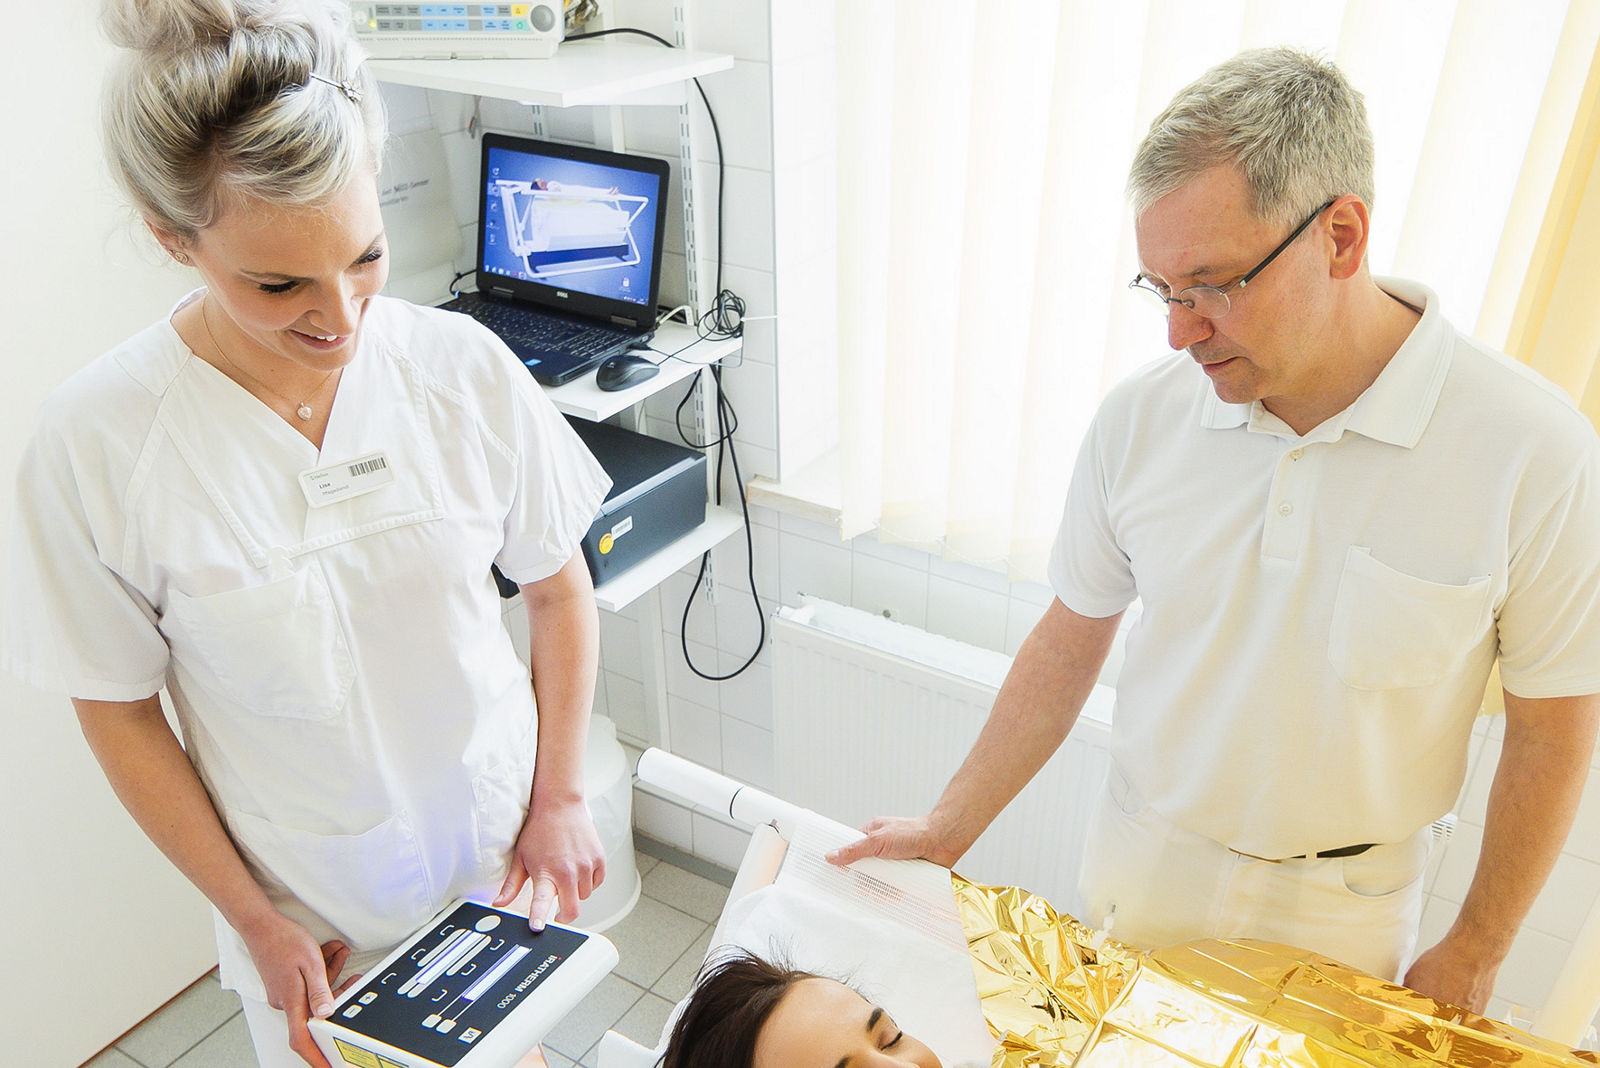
[861, 731]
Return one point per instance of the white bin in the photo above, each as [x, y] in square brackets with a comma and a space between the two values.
[608, 791]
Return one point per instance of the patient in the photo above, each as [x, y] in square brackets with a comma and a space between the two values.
[747, 1013]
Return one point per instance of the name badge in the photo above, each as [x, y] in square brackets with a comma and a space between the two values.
[341, 481]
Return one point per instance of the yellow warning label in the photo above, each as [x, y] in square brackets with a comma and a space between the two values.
[357, 1056]
[385, 1062]
[606, 542]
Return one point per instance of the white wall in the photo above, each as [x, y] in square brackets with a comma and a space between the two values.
[88, 903]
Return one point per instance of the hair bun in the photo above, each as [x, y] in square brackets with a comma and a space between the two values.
[167, 26]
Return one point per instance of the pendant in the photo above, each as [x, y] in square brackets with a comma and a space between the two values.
[304, 412]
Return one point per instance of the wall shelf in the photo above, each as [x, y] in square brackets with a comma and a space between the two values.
[582, 398]
[615, 594]
[601, 71]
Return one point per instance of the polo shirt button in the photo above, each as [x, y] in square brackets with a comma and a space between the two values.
[1285, 508]
[1297, 454]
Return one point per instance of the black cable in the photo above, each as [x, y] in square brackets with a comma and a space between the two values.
[725, 319]
[724, 413]
[457, 278]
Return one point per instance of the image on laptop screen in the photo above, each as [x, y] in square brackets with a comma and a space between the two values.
[571, 223]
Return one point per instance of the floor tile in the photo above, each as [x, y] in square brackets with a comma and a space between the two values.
[643, 1023]
[584, 1025]
[557, 1060]
[228, 1045]
[651, 939]
[686, 892]
[674, 985]
[645, 862]
[182, 1023]
[113, 1058]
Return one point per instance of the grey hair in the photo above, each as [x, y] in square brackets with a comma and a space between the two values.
[1291, 123]
[217, 99]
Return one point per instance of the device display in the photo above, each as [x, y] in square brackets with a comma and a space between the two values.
[529, 29]
[475, 983]
[573, 223]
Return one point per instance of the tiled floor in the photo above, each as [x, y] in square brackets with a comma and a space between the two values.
[661, 943]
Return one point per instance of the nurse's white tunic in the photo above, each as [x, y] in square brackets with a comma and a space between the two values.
[342, 676]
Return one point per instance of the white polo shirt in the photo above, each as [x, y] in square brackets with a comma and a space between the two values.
[1320, 613]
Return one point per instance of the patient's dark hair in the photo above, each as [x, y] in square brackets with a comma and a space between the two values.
[730, 1004]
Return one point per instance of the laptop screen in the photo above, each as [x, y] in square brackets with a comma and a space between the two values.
[571, 227]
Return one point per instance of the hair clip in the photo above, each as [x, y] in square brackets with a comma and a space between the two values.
[350, 91]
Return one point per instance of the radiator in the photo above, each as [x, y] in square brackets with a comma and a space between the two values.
[872, 717]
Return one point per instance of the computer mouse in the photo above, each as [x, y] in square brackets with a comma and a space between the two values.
[624, 370]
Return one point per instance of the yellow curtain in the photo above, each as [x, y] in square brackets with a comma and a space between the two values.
[1555, 328]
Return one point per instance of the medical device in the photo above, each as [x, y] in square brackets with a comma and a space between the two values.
[530, 29]
[473, 988]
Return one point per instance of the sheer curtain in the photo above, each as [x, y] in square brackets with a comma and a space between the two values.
[984, 240]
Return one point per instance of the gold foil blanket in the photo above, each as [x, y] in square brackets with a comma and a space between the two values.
[1056, 994]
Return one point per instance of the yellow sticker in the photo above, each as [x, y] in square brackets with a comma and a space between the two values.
[385, 1062]
[606, 542]
[357, 1056]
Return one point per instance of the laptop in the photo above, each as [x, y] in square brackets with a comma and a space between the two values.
[569, 252]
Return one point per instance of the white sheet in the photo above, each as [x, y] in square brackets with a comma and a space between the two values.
[888, 928]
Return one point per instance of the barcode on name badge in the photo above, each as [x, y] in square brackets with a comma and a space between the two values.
[366, 467]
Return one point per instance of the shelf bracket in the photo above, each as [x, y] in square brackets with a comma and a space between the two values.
[697, 299]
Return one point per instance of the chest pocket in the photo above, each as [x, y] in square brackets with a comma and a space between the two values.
[1392, 630]
[277, 649]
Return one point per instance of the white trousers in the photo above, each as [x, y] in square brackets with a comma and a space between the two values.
[1168, 885]
[269, 1031]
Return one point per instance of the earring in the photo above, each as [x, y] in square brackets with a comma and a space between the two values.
[181, 257]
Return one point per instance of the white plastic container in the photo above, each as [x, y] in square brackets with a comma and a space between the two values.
[608, 791]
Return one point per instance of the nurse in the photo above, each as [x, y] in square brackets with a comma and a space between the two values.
[281, 502]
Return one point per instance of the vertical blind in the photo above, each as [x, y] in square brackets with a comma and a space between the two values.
[985, 242]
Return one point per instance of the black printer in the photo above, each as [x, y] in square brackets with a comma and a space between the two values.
[658, 494]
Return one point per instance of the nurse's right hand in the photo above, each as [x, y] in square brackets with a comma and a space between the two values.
[299, 977]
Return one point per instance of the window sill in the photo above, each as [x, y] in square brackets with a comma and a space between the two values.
[812, 494]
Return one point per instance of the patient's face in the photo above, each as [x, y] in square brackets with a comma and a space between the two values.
[824, 1024]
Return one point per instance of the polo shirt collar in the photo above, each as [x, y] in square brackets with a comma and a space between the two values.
[1397, 406]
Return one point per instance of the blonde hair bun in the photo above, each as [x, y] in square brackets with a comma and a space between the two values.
[264, 98]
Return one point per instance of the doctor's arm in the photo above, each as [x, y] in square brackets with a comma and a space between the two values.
[1544, 763]
[1049, 681]
[155, 782]
[558, 847]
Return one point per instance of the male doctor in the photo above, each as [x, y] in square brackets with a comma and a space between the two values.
[1337, 512]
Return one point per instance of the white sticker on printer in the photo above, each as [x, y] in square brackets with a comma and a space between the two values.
[622, 528]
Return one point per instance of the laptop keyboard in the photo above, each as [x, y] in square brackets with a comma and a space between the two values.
[519, 326]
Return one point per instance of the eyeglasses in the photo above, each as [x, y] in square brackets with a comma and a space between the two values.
[1212, 301]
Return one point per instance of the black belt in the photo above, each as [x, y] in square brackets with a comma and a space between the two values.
[1324, 854]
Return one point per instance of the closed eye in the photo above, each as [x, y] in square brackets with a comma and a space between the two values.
[372, 255]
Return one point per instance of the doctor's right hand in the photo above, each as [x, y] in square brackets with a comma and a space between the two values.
[299, 977]
[898, 838]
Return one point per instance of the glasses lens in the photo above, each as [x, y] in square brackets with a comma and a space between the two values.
[1208, 301]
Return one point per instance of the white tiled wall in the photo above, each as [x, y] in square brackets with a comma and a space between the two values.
[1553, 923]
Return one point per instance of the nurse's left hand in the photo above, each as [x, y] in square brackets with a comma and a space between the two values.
[560, 851]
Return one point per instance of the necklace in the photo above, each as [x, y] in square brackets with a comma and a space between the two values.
[303, 409]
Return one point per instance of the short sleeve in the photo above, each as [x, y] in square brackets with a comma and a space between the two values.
[1549, 623]
[1088, 569]
[559, 488]
[71, 624]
